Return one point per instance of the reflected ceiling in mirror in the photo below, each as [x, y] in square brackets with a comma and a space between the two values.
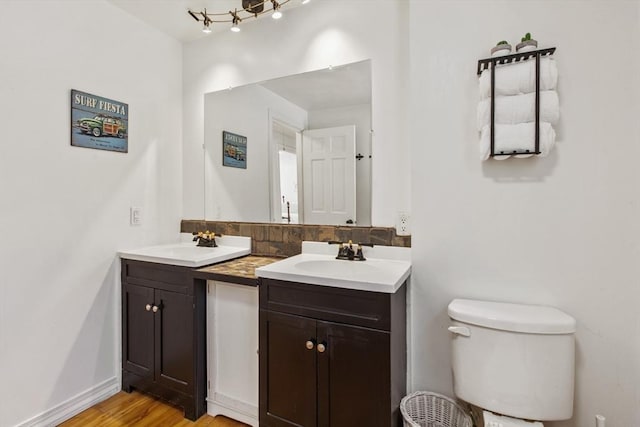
[307, 157]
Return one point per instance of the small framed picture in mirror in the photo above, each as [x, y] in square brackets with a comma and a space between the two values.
[234, 150]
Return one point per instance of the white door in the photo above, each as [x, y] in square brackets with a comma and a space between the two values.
[329, 175]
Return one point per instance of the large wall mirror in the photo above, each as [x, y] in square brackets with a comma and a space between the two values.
[295, 149]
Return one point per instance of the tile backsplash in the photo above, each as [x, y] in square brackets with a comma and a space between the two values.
[286, 239]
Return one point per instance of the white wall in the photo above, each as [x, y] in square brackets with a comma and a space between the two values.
[360, 116]
[64, 211]
[562, 230]
[236, 194]
[329, 32]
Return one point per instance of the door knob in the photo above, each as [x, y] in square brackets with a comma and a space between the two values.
[155, 308]
[147, 307]
[321, 348]
[309, 345]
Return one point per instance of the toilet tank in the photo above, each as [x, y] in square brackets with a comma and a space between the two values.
[513, 359]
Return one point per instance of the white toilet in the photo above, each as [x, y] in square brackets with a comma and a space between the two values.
[514, 361]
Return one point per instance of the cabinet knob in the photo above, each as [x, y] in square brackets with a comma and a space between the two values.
[155, 308]
[310, 345]
[147, 307]
[321, 348]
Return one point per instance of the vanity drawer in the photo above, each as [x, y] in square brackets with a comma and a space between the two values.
[353, 307]
[160, 276]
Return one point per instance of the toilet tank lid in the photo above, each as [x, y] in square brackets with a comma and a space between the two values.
[532, 319]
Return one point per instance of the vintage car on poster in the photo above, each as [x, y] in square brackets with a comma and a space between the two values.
[98, 122]
[234, 150]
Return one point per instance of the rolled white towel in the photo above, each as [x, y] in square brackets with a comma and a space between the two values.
[520, 77]
[518, 137]
[520, 109]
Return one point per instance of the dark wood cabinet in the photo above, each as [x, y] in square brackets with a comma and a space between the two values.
[290, 368]
[163, 334]
[137, 342]
[353, 376]
[331, 357]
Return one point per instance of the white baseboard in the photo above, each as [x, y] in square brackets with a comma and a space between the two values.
[75, 405]
[232, 408]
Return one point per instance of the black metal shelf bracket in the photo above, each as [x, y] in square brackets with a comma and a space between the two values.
[490, 63]
[484, 64]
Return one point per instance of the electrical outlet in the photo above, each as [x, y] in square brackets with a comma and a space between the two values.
[403, 226]
[135, 216]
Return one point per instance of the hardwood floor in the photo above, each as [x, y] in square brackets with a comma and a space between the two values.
[138, 410]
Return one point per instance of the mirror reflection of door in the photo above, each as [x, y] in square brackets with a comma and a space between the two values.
[329, 175]
[284, 140]
[320, 99]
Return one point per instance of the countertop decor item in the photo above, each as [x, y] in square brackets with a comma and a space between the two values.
[527, 44]
[501, 48]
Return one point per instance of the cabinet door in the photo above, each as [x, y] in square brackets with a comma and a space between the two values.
[137, 330]
[287, 371]
[174, 340]
[353, 377]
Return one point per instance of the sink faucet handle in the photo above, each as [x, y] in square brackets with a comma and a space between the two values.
[365, 244]
[359, 254]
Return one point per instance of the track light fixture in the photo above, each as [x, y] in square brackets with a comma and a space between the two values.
[276, 10]
[236, 20]
[206, 28]
[250, 9]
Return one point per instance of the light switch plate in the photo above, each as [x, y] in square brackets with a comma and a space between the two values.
[135, 215]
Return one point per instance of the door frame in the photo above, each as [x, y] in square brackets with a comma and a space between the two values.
[274, 163]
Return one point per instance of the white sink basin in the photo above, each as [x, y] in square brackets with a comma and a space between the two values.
[333, 267]
[190, 255]
[385, 269]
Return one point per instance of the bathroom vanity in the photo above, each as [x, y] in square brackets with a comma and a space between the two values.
[330, 356]
[328, 336]
[163, 334]
[332, 341]
[164, 320]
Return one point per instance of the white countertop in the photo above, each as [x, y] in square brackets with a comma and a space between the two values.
[187, 254]
[385, 269]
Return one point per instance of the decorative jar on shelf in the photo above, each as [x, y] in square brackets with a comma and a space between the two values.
[527, 44]
[501, 49]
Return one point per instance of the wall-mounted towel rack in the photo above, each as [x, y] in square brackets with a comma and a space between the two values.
[484, 64]
[490, 63]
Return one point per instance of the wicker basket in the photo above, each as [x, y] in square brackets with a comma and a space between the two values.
[426, 409]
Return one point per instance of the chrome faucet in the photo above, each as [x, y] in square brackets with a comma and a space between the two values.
[350, 251]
